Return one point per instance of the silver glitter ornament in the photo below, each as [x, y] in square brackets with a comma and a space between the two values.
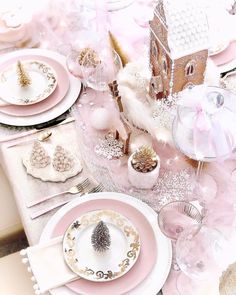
[100, 238]
[164, 112]
[174, 186]
[109, 148]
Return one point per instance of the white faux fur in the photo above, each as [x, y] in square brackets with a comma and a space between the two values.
[133, 82]
[136, 111]
[212, 74]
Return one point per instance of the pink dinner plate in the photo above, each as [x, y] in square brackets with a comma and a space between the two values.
[58, 94]
[142, 267]
[226, 55]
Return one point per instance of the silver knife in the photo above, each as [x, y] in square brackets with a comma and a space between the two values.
[48, 209]
[35, 131]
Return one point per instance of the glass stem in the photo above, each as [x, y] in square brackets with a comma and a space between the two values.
[199, 169]
[198, 177]
[84, 85]
[174, 265]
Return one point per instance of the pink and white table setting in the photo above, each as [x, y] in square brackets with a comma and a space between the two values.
[117, 135]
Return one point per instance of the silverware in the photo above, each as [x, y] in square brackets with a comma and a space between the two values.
[73, 190]
[41, 212]
[36, 130]
[44, 136]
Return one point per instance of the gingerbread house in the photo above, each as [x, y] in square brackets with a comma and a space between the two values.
[178, 46]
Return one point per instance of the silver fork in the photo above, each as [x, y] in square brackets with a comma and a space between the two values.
[96, 189]
[41, 212]
[73, 190]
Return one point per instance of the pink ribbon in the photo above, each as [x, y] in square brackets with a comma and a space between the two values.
[102, 19]
[208, 129]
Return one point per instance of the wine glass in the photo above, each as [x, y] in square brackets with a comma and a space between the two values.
[174, 218]
[81, 65]
[106, 70]
[198, 249]
[199, 252]
[95, 68]
[186, 285]
[202, 130]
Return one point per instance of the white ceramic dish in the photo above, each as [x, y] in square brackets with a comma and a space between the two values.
[105, 266]
[156, 278]
[43, 83]
[60, 108]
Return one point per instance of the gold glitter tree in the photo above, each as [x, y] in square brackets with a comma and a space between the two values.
[23, 77]
[116, 46]
[144, 160]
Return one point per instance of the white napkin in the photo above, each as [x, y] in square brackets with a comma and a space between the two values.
[48, 266]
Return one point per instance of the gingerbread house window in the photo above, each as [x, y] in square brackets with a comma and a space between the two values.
[190, 68]
[188, 85]
[154, 49]
[164, 65]
[156, 83]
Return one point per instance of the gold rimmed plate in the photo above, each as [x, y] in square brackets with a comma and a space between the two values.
[227, 285]
[95, 266]
[43, 82]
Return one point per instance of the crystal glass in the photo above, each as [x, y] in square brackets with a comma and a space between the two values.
[173, 218]
[203, 129]
[199, 251]
[176, 216]
[96, 75]
[186, 286]
[80, 70]
[106, 71]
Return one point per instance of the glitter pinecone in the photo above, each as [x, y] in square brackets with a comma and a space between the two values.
[100, 238]
[144, 160]
[88, 58]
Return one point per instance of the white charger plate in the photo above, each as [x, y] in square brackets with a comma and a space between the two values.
[43, 83]
[218, 48]
[60, 108]
[112, 263]
[157, 277]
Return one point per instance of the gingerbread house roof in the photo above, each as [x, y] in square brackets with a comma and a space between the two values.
[187, 26]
